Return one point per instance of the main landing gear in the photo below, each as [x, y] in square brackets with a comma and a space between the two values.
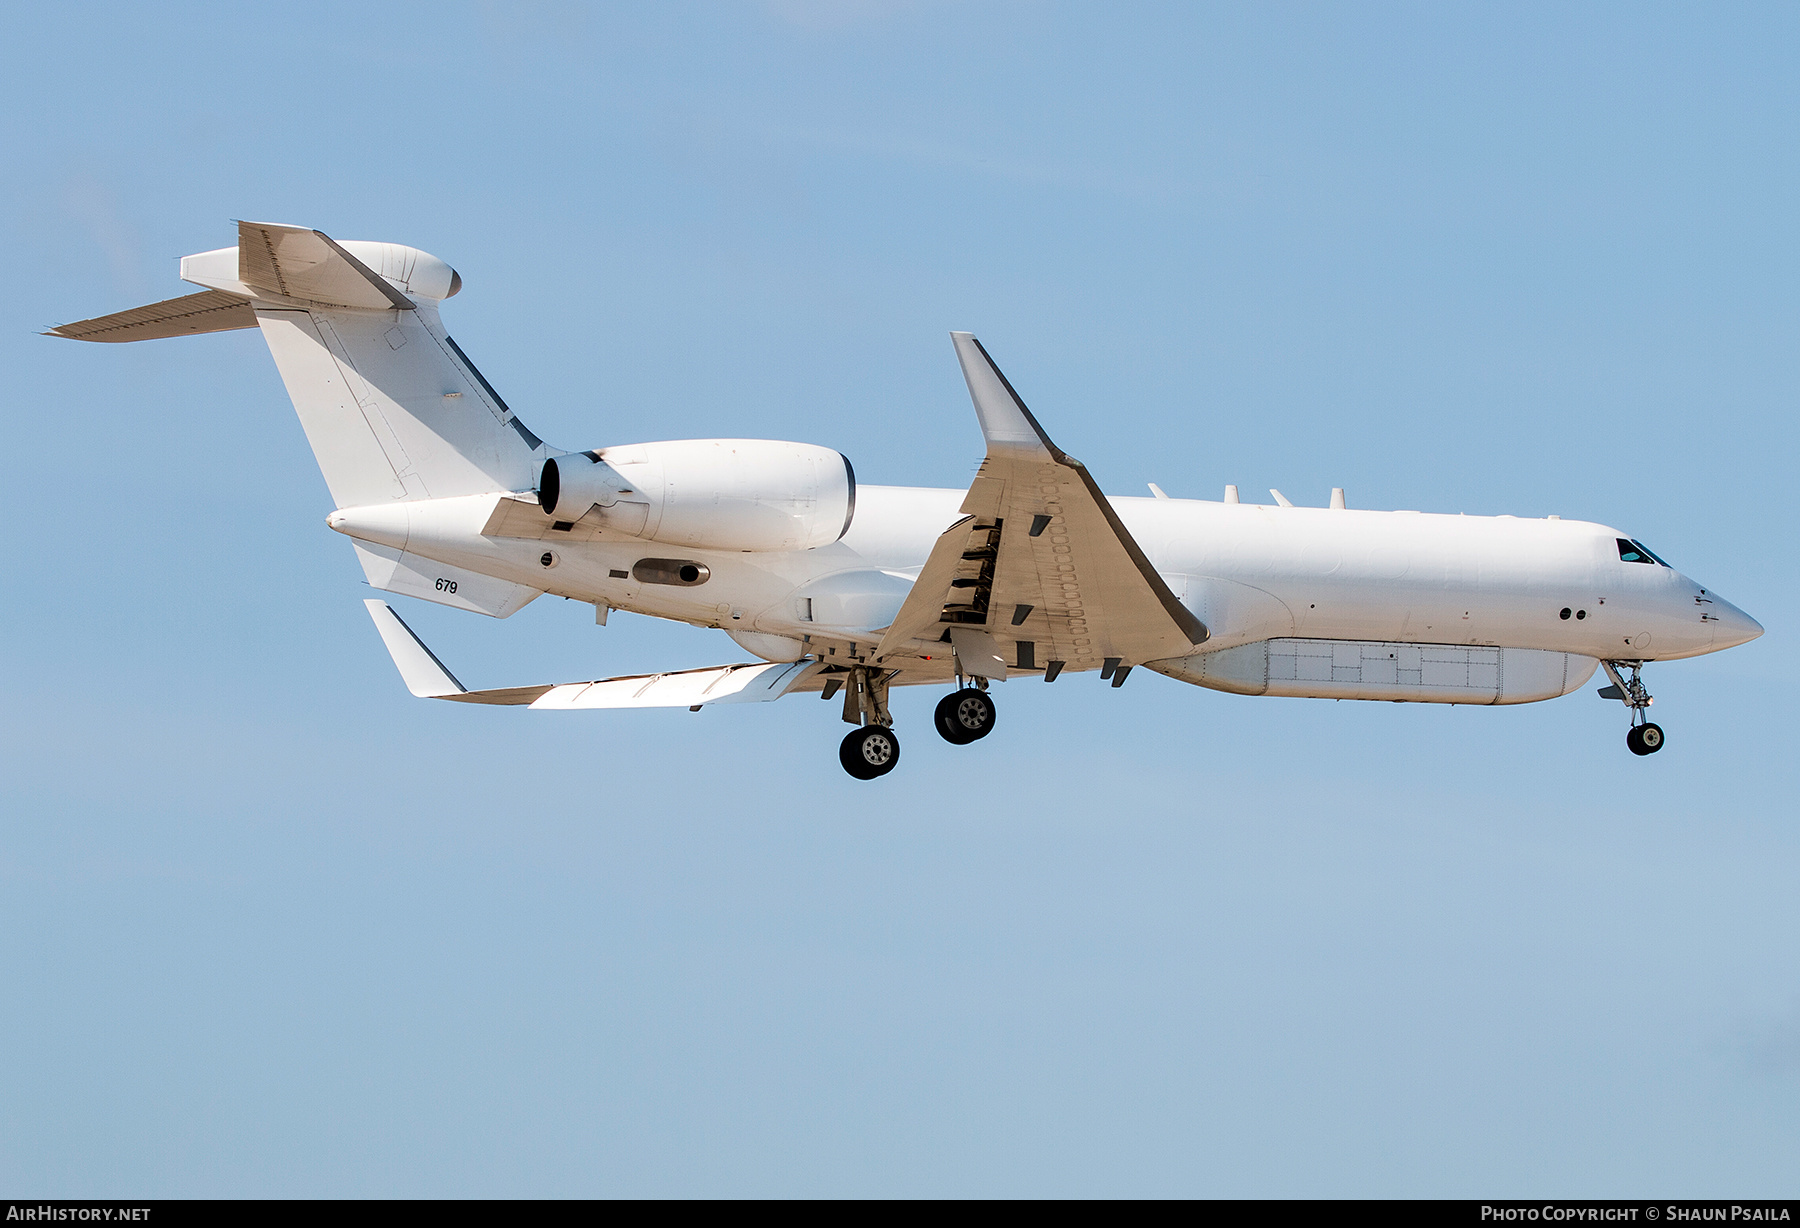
[873, 748]
[964, 716]
[1644, 737]
[869, 752]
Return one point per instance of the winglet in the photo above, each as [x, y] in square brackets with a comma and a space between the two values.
[1008, 425]
[424, 675]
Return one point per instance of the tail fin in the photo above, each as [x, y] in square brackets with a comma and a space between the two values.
[393, 409]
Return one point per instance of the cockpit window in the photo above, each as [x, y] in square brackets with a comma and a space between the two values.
[1636, 552]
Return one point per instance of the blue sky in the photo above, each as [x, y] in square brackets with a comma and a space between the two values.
[270, 926]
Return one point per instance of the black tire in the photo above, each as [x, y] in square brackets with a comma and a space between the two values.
[964, 716]
[944, 720]
[869, 752]
[1645, 739]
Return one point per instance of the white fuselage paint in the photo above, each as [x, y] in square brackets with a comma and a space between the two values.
[1250, 572]
[419, 453]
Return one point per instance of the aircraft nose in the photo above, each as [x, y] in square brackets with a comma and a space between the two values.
[1734, 626]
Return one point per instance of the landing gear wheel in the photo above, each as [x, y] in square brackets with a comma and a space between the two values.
[964, 716]
[1645, 739]
[869, 752]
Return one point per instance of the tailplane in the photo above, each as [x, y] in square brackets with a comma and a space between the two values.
[393, 409]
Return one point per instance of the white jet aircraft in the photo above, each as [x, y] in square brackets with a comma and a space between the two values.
[835, 586]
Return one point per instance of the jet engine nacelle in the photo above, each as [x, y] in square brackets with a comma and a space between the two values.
[708, 494]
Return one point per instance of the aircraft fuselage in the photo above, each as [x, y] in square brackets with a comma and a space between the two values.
[1253, 572]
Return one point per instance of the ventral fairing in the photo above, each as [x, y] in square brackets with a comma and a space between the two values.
[837, 588]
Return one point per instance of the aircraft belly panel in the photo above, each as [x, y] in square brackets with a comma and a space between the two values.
[412, 575]
[1371, 669]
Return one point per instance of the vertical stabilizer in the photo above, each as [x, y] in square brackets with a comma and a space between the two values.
[392, 407]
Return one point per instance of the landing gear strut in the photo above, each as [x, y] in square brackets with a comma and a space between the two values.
[872, 749]
[1644, 737]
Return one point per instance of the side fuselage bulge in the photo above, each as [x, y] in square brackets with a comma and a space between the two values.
[1298, 601]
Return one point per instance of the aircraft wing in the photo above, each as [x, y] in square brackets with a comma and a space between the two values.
[1040, 574]
[427, 677]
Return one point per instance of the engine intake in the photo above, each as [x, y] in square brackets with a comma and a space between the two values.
[570, 485]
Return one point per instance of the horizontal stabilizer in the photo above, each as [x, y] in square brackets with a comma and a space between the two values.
[210, 311]
[298, 263]
[426, 677]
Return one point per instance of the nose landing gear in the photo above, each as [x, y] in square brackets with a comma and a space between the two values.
[1644, 737]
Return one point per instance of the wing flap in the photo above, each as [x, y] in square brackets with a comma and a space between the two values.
[921, 613]
[508, 696]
